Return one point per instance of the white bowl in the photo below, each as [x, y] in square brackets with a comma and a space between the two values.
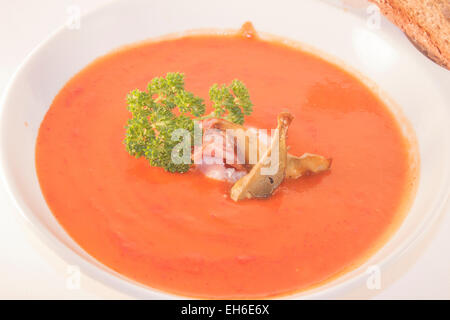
[397, 69]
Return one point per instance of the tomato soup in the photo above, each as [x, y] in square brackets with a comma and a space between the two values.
[181, 233]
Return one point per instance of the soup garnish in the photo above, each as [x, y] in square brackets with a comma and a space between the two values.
[163, 130]
[166, 106]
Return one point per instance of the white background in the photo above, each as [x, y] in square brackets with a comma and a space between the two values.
[29, 270]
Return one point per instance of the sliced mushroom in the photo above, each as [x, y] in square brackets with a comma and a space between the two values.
[296, 166]
[260, 182]
[307, 164]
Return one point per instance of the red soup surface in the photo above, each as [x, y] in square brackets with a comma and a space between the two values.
[180, 232]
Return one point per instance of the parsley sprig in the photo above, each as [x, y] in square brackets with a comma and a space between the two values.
[166, 106]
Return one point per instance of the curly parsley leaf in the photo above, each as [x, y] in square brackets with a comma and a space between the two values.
[232, 102]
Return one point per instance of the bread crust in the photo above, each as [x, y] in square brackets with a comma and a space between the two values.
[425, 22]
